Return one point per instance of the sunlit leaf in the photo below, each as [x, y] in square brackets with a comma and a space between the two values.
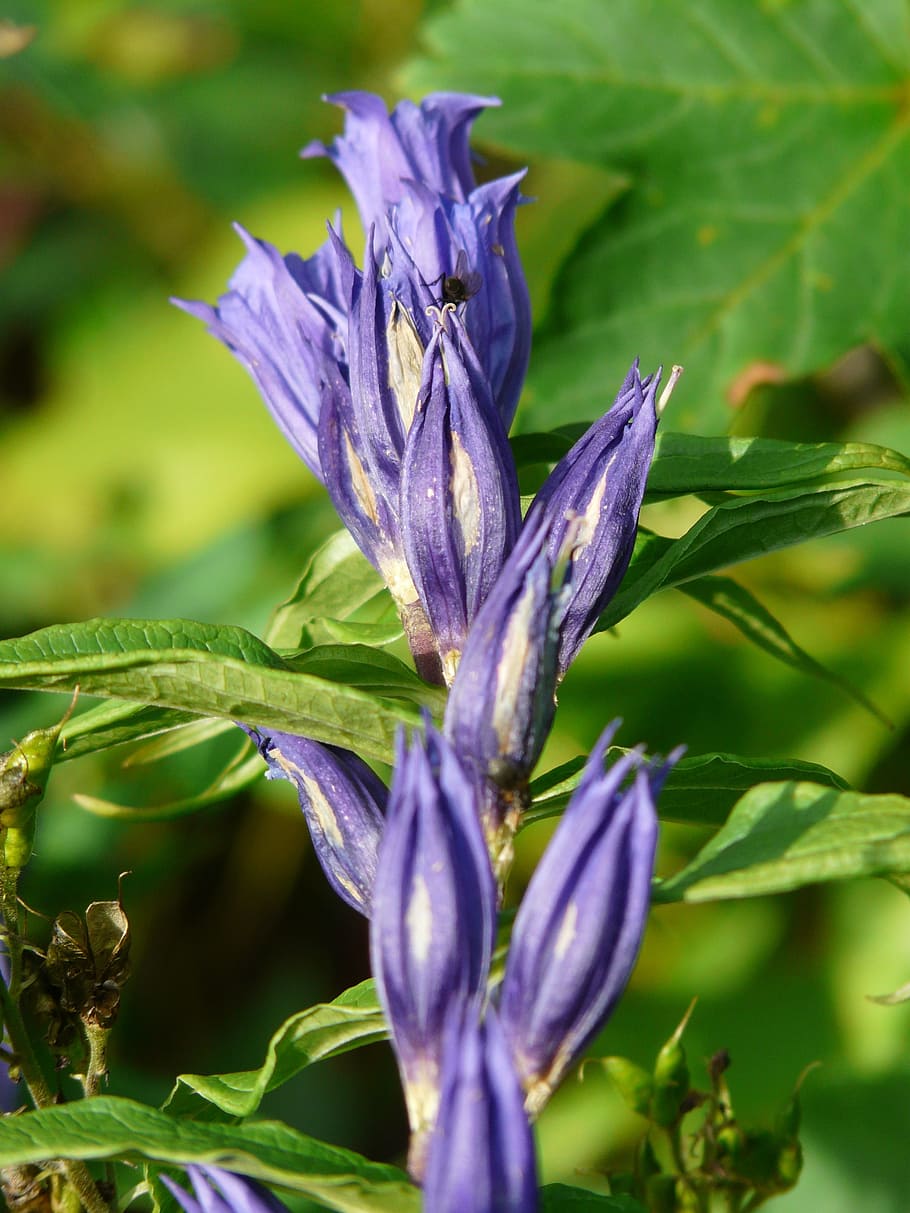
[782, 836]
[741, 528]
[736, 604]
[700, 790]
[320, 1032]
[760, 139]
[205, 669]
[108, 1127]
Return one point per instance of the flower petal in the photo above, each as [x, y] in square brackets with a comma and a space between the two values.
[579, 927]
[434, 913]
[342, 800]
[481, 1156]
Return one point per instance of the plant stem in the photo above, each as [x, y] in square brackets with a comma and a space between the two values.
[77, 1173]
[9, 905]
[96, 1068]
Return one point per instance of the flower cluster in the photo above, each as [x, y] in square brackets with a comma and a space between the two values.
[397, 383]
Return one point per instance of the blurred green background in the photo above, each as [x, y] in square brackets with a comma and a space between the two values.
[141, 475]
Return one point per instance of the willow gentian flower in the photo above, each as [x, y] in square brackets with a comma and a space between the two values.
[218, 1191]
[340, 354]
[592, 501]
[342, 801]
[411, 177]
[579, 927]
[361, 432]
[481, 1156]
[434, 917]
[460, 510]
[501, 705]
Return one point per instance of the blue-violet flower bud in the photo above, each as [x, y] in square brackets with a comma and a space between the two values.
[434, 916]
[342, 801]
[501, 704]
[381, 154]
[579, 927]
[460, 512]
[481, 1156]
[596, 490]
[411, 176]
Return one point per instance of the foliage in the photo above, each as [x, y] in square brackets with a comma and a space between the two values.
[747, 167]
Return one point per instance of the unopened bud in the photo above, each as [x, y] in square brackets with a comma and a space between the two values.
[632, 1081]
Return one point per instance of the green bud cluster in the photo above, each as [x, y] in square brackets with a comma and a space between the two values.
[681, 1172]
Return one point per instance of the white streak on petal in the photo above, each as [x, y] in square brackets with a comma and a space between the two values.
[515, 650]
[567, 931]
[405, 362]
[419, 921]
[397, 577]
[360, 482]
[587, 522]
[465, 495]
[322, 811]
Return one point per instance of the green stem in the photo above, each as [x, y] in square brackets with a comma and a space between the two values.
[77, 1173]
[97, 1059]
[9, 904]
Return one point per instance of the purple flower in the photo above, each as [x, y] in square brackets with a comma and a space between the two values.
[285, 320]
[433, 241]
[434, 916]
[459, 493]
[411, 177]
[340, 354]
[592, 500]
[579, 927]
[381, 154]
[342, 801]
[218, 1191]
[481, 1155]
[501, 704]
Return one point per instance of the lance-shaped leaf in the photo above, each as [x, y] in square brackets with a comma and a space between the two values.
[285, 320]
[481, 1156]
[501, 705]
[592, 500]
[579, 927]
[342, 801]
[380, 154]
[434, 915]
[460, 511]
[219, 1191]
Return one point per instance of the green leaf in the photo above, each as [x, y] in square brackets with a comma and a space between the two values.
[237, 775]
[337, 583]
[782, 836]
[115, 723]
[695, 463]
[700, 790]
[741, 528]
[370, 669]
[323, 1031]
[760, 139]
[688, 463]
[736, 604]
[176, 741]
[108, 1127]
[561, 1198]
[205, 669]
[99, 642]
